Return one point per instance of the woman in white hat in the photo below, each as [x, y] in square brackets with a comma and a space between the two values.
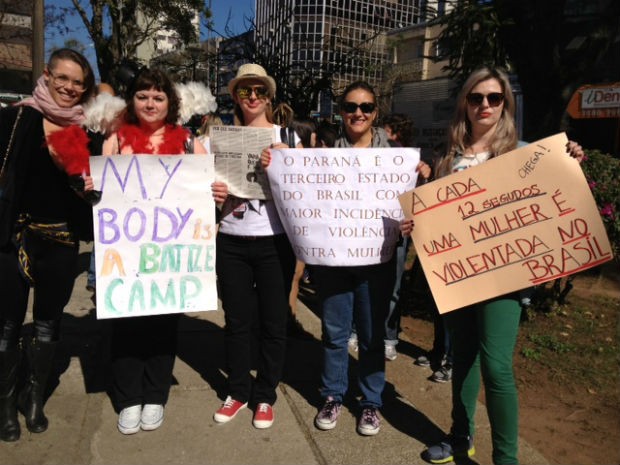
[255, 265]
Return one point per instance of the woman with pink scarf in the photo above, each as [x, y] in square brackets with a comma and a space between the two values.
[44, 155]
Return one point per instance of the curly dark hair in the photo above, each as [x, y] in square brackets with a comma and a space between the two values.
[158, 80]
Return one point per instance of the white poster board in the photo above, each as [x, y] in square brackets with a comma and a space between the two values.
[515, 221]
[154, 234]
[340, 207]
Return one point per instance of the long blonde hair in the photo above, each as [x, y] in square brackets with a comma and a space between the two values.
[459, 135]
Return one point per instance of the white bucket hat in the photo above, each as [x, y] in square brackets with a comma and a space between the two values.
[253, 71]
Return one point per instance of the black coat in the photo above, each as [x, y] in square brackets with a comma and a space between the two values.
[27, 137]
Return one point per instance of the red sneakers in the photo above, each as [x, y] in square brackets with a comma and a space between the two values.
[263, 417]
[228, 410]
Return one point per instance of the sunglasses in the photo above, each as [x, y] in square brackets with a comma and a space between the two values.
[351, 107]
[495, 99]
[246, 91]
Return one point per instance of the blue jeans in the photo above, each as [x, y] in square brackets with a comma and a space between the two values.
[392, 321]
[360, 295]
[91, 277]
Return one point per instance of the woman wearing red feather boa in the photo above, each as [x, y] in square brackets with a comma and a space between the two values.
[43, 151]
[144, 348]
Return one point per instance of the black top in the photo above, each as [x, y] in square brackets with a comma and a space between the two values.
[31, 183]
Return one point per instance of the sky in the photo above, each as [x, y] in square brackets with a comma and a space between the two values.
[223, 10]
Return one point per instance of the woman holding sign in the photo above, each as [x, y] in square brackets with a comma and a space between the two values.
[359, 294]
[255, 264]
[144, 348]
[483, 335]
[44, 155]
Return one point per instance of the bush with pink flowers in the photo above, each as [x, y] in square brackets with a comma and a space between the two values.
[603, 174]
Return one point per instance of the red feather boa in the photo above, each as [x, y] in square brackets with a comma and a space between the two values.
[70, 148]
[173, 143]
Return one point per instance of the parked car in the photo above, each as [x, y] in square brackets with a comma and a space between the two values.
[9, 98]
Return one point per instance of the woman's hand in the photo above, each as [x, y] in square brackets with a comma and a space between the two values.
[89, 184]
[220, 191]
[406, 227]
[424, 170]
[575, 150]
[265, 155]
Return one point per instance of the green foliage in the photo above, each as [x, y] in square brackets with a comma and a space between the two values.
[549, 342]
[531, 353]
[471, 39]
[118, 27]
[552, 46]
[603, 174]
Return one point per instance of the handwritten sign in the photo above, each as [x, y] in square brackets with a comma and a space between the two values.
[340, 207]
[154, 234]
[515, 221]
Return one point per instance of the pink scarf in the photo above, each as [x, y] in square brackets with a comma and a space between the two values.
[43, 102]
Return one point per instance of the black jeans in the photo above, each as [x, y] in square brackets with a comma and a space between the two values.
[143, 353]
[254, 278]
[53, 268]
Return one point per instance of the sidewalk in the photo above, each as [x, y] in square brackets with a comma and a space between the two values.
[83, 423]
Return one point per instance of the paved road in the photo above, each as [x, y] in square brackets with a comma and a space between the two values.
[83, 424]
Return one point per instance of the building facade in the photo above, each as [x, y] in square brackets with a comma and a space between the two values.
[338, 40]
[16, 40]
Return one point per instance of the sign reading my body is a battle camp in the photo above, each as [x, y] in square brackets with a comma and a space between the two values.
[340, 206]
[517, 220]
[154, 234]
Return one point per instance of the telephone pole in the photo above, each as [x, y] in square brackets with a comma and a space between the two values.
[38, 40]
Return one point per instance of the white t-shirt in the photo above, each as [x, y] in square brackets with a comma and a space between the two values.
[253, 217]
[462, 162]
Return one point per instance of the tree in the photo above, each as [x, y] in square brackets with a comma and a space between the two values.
[299, 87]
[118, 27]
[553, 46]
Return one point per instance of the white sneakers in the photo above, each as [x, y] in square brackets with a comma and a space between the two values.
[352, 343]
[390, 352]
[152, 417]
[129, 419]
[134, 418]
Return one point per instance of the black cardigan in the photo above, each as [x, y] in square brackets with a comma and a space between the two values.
[27, 140]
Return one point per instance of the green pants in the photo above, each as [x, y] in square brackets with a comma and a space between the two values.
[483, 341]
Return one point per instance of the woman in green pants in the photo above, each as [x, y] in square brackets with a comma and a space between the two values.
[483, 335]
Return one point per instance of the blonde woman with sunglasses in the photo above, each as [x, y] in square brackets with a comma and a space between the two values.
[483, 335]
[255, 264]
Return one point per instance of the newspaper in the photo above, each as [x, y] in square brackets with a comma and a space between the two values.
[237, 152]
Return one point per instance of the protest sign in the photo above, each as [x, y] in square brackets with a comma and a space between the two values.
[517, 220]
[340, 207]
[237, 152]
[154, 234]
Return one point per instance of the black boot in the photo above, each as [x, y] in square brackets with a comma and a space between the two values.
[9, 426]
[39, 355]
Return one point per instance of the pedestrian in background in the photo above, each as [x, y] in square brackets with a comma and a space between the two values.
[306, 129]
[399, 129]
